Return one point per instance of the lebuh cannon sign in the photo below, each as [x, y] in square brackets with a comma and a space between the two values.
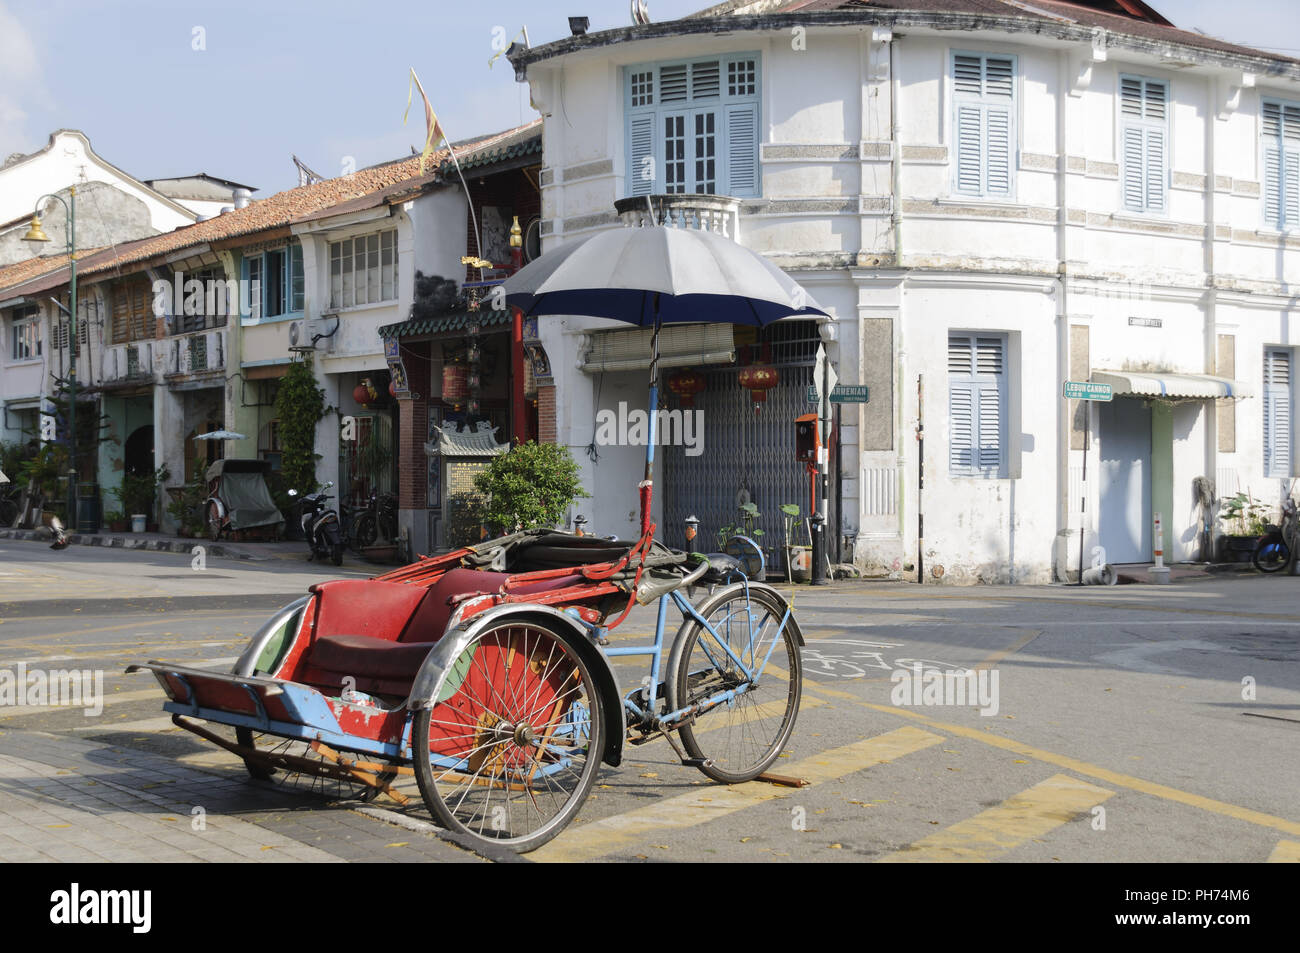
[1086, 390]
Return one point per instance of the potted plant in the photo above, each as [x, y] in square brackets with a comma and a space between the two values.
[746, 527]
[1244, 520]
[530, 486]
[115, 520]
[137, 495]
[797, 559]
[186, 507]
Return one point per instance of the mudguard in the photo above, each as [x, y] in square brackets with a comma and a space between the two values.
[429, 681]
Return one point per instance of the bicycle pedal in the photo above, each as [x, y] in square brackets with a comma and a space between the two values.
[697, 762]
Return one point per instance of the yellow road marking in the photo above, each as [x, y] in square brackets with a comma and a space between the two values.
[19, 711]
[989, 834]
[688, 810]
[1096, 772]
[1286, 852]
[999, 655]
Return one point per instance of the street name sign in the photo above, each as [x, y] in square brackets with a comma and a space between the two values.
[849, 394]
[1086, 390]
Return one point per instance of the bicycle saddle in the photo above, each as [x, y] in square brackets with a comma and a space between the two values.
[721, 568]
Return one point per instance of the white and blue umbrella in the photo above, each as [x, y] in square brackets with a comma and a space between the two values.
[653, 275]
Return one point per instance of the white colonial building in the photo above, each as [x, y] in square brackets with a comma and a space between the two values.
[991, 199]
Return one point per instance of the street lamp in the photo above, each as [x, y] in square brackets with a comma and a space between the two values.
[37, 234]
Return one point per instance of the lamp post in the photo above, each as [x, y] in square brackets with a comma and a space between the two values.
[36, 234]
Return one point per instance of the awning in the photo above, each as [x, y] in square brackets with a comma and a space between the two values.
[457, 323]
[1177, 386]
[680, 345]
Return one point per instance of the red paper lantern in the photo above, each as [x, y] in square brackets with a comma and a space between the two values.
[364, 393]
[455, 382]
[686, 384]
[758, 379]
[392, 388]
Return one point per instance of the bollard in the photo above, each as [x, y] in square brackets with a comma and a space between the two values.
[1159, 573]
[692, 528]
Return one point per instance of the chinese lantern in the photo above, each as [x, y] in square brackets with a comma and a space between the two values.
[365, 393]
[686, 384]
[758, 379]
[455, 382]
[392, 388]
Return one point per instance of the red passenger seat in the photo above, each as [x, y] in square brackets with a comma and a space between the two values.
[379, 633]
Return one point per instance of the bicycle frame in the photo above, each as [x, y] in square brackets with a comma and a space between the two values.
[655, 652]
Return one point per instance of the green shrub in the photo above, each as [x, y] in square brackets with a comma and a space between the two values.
[532, 485]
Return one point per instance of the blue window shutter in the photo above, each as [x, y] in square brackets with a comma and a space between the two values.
[961, 425]
[642, 175]
[990, 425]
[997, 150]
[1134, 186]
[1273, 187]
[970, 149]
[1277, 413]
[1155, 170]
[1291, 189]
[742, 150]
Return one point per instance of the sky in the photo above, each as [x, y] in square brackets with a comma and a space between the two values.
[234, 88]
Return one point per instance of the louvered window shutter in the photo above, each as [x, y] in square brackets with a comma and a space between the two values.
[641, 174]
[984, 136]
[970, 149]
[976, 403]
[1144, 143]
[1273, 188]
[1277, 413]
[742, 150]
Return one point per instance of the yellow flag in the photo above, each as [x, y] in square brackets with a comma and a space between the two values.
[433, 131]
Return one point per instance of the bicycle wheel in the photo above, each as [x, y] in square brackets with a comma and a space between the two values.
[364, 533]
[1271, 554]
[512, 746]
[741, 734]
[214, 522]
[332, 786]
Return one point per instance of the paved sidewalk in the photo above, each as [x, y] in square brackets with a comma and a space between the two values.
[160, 542]
[65, 799]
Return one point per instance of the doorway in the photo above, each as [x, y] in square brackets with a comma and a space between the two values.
[1125, 517]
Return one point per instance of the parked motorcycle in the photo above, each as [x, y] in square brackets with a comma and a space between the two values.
[321, 526]
[1274, 549]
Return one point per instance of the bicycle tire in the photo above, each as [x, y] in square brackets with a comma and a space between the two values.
[480, 725]
[364, 532]
[741, 747]
[1271, 553]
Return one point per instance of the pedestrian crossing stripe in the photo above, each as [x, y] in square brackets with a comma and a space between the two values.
[988, 835]
[1286, 852]
[601, 837]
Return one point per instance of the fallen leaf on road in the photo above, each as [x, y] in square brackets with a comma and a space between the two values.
[746, 840]
[934, 822]
[649, 774]
[1020, 761]
[836, 847]
[400, 843]
[270, 846]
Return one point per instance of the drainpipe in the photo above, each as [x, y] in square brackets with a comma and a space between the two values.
[896, 216]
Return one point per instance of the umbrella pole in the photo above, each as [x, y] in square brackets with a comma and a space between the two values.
[646, 487]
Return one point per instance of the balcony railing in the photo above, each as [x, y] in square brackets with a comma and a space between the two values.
[128, 362]
[712, 213]
[197, 352]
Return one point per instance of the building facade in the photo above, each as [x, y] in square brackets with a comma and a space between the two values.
[990, 203]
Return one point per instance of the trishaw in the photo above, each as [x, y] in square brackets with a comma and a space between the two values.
[238, 498]
[485, 672]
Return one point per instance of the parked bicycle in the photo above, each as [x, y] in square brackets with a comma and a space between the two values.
[378, 519]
